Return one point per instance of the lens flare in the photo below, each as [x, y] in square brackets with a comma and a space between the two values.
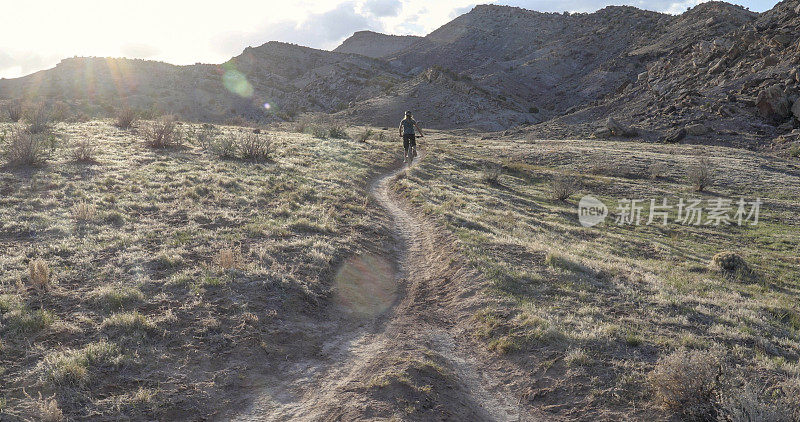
[267, 106]
[236, 82]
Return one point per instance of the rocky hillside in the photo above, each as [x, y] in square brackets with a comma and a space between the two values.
[719, 66]
[373, 44]
[290, 78]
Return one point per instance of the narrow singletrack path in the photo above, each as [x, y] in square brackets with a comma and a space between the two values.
[362, 355]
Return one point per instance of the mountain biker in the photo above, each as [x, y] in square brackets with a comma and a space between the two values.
[407, 126]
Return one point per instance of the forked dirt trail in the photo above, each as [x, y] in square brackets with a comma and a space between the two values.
[399, 350]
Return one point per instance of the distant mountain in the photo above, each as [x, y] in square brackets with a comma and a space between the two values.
[495, 67]
[376, 45]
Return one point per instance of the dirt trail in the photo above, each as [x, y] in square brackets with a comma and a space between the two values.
[408, 361]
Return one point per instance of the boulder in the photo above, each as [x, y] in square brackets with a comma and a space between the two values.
[617, 129]
[772, 103]
[697, 130]
[675, 136]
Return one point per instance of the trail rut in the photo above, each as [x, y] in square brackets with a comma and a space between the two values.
[410, 360]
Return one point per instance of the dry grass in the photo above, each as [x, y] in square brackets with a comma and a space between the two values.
[624, 294]
[144, 282]
[492, 172]
[39, 274]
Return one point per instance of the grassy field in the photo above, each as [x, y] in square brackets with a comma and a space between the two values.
[144, 283]
[621, 320]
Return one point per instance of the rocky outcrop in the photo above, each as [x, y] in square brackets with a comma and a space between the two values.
[373, 44]
[772, 103]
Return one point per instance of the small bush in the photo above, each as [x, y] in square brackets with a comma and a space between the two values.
[163, 133]
[320, 132]
[700, 174]
[491, 172]
[731, 264]
[562, 187]
[26, 148]
[126, 118]
[38, 119]
[687, 383]
[337, 132]
[49, 410]
[223, 147]
[256, 147]
[206, 136]
[39, 273]
[364, 137]
[13, 109]
[84, 150]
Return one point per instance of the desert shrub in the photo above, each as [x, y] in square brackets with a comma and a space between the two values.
[364, 137]
[13, 109]
[126, 117]
[25, 148]
[562, 187]
[84, 150]
[39, 273]
[491, 172]
[794, 150]
[205, 136]
[222, 146]
[163, 133]
[253, 146]
[657, 170]
[38, 119]
[700, 174]
[687, 383]
[337, 132]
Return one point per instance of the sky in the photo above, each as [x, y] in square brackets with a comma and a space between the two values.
[37, 34]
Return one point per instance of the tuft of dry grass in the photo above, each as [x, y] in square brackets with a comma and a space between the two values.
[687, 383]
[39, 273]
[84, 212]
[26, 148]
[84, 150]
[226, 258]
[126, 118]
[366, 135]
[163, 133]
[700, 174]
[48, 410]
